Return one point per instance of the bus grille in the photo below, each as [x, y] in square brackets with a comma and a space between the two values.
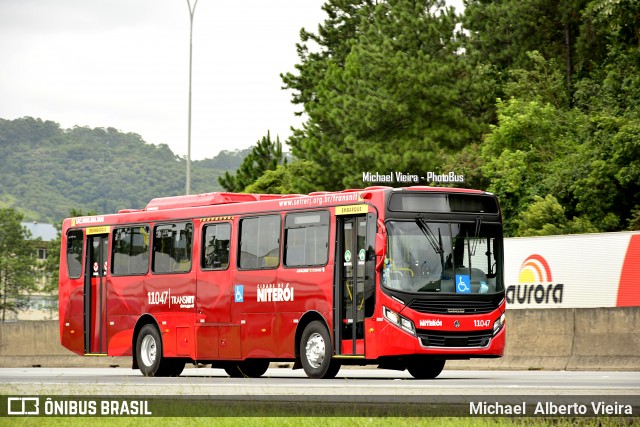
[453, 306]
[448, 339]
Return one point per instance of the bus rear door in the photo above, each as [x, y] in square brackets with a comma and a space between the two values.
[95, 291]
[215, 294]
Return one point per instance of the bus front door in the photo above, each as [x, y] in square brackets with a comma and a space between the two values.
[349, 289]
[95, 294]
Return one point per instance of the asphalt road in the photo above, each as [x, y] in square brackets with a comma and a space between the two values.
[279, 382]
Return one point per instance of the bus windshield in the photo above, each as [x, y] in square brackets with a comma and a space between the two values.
[458, 258]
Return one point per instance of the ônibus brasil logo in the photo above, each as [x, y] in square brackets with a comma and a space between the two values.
[535, 284]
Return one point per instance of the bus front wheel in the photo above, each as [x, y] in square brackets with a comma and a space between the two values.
[425, 368]
[316, 352]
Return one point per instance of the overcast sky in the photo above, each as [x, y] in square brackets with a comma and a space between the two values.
[125, 64]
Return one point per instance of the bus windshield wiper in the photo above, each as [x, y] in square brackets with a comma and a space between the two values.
[431, 238]
[436, 244]
[476, 235]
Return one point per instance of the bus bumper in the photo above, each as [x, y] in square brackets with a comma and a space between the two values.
[392, 341]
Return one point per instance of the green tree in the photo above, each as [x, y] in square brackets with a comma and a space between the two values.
[606, 185]
[610, 46]
[17, 263]
[607, 26]
[276, 181]
[501, 33]
[525, 155]
[331, 45]
[546, 216]
[542, 82]
[540, 88]
[542, 217]
[286, 179]
[317, 52]
[266, 155]
[404, 95]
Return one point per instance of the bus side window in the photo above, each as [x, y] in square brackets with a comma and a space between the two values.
[172, 248]
[130, 251]
[306, 239]
[259, 242]
[75, 242]
[216, 239]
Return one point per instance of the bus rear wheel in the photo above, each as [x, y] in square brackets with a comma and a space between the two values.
[149, 355]
[425, 368]
[247, 368]
[148, 350]
[316, 352]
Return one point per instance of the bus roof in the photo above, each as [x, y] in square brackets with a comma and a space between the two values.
[221, 198]
[208, 199]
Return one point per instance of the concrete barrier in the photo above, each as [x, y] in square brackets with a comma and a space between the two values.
[542, 339]
[37, 343]
[607, 339]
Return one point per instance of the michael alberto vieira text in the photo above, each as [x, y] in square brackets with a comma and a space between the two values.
[550, 408]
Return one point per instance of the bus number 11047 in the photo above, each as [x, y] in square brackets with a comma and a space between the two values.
[481, 323]
[156, 298]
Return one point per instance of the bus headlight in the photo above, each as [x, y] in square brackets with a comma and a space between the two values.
[400, 321]
[499, 323]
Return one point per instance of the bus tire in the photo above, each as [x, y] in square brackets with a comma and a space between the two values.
[316, 352]
[170, 367]
[422, 368]
[149, 351]
[233, 371]
[251, 368]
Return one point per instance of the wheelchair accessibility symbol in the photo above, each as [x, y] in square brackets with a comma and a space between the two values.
[238, 293]
[463, 284]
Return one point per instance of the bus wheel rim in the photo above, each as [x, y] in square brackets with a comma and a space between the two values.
[315, 350]
[148, 350]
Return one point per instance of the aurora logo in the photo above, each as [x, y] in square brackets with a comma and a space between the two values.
[535, 269]
[535, 284]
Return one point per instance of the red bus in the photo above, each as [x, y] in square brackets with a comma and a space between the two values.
[405, 278]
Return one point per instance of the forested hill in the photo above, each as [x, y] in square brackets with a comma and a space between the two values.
[46, 171]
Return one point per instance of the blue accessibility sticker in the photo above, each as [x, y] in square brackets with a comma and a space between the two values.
[463, 284]
[238, 293]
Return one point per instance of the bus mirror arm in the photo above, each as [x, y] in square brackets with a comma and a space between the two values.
[381, 245]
